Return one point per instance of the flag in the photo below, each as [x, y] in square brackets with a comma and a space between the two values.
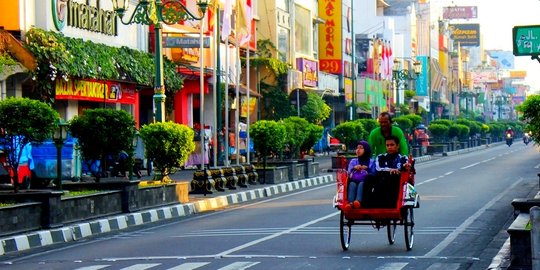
[241, 19]
[249, 17]
[383, 61]
[227, 12]
[390, 60]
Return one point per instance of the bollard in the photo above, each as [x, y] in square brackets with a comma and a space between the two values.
[535, 237]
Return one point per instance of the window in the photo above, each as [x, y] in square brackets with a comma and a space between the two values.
[283, 44]
[302, 30]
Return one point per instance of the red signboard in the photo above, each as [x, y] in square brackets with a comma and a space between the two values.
[330, 65]
[100, 91]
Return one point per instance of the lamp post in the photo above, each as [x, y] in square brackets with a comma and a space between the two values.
[157, 12]
[59, 136]
[400, 76]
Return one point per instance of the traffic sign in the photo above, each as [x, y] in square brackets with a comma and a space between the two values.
[526, 40]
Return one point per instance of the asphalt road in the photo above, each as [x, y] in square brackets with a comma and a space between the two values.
[465, 205]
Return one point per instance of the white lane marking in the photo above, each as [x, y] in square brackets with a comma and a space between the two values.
[464, 226]
[93, 267]
[239, 266]
[141, 266]
[449, 173]
[255, 242]
[189, 266]
[537, 166]
[466, 167]
[490, 159]
[427, 181]
[446, 266]
[392, 266]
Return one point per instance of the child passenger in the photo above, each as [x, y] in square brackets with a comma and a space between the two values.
[359, 169]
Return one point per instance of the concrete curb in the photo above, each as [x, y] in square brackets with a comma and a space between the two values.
[116, 223]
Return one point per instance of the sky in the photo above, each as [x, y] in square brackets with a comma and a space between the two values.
[497, 18]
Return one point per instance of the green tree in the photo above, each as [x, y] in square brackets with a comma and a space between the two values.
[349, 133]
[315, 110]
[24, 121]
[297, 133]
[315, 133]
[102, 133]
[368, 124]
[268, 136]
[168, 145]
[416, 119]
[275, 103]
[404, 123]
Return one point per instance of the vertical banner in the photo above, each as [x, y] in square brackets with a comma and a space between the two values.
[330, 36]
[422, 79]
[245, 106]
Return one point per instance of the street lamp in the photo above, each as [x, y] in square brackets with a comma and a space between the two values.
[400, 76]
[60, 134]
[156, 12]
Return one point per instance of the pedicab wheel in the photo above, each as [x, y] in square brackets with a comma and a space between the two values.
[391, 230]
[344, 231]
[408, 225]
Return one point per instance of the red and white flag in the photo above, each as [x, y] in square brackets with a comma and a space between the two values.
[248, 18]
[226, 24]
[390, 60]
[384, 63]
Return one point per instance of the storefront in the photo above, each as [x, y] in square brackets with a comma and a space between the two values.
[91, 94]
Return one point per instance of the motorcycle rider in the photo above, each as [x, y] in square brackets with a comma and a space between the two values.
[509, 133]
[509, 136]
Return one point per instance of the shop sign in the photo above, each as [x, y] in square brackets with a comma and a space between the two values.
[99, 91]
[330, 36]
[185, 42]
[83, 16]
[310, 71]
[467, 34]
[463, 12]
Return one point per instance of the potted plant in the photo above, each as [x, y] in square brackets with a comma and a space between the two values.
[268, 137]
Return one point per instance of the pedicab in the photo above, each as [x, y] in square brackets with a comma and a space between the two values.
[401, 214]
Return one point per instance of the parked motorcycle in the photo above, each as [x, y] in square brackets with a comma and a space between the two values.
[509, 139]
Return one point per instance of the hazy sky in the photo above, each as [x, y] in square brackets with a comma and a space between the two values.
[496, 18]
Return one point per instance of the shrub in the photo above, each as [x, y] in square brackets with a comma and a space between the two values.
[268, 136]
[103, 133]
[314, 134]
[168, 145]
[368, 124]
[297, 133]
[404, 123]
[349, 133]
[23, 121]
[439, 131]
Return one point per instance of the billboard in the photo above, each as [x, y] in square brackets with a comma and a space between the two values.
[467, 12]
[362, 53]
[330, 40]
[467, 34]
